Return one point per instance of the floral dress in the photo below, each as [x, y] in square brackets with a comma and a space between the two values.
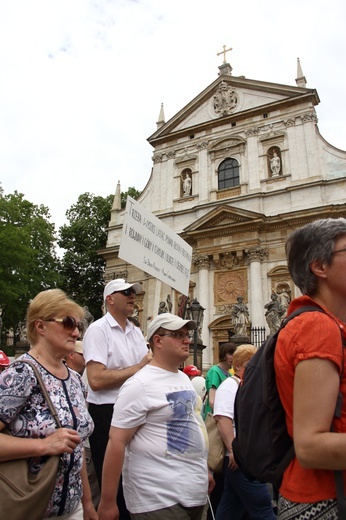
[26, 413]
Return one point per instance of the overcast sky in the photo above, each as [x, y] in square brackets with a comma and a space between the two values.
[82, 81]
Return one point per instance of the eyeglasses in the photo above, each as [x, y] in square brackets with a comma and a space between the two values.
[126, 292]
[179, 335]
[339, 251]
[69, 323]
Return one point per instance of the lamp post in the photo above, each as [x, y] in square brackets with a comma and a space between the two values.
[195, 312]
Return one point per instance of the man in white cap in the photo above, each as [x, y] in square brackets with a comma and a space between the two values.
[114, 350]
[157, 431]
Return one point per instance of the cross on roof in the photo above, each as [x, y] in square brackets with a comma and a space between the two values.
[224, 53]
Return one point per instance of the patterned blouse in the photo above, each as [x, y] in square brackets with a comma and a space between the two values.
[25, 412]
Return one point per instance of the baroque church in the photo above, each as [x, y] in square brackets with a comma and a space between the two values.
[234, 173]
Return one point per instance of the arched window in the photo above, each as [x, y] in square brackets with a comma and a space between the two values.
[228, 174]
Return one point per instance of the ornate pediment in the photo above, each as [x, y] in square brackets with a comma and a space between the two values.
[224, 217]
[226, 98]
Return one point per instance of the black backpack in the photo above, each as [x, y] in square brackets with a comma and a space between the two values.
[262, 447]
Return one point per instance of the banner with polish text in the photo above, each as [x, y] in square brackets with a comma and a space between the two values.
[152, 246]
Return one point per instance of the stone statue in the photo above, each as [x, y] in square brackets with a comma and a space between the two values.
[275, 164]
[162, 308]
[10, 337]
[22, 330]
[88, 319]
[275, 313]
[183, 302]
[240, 317]
[169, 303]
[285, 300]
[186, 185]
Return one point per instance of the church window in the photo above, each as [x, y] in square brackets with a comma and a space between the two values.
[228, 174]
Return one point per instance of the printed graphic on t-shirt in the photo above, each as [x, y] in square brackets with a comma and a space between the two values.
[183, 430]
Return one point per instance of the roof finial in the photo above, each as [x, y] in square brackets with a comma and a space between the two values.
[224, 53]
[161, 120]
[300, 79]
[117, 198]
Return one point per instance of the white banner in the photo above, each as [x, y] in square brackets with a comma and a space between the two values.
[152, 246]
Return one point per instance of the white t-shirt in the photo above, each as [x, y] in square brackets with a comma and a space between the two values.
[166, 461]
[224, 400]
[106, 342]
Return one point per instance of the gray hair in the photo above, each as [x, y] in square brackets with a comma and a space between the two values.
[312, 242]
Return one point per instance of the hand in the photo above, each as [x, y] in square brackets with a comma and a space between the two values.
[231, 462]
[89, 512]
[63, 440]
[109, 512]
[211, 482]
[147, 358]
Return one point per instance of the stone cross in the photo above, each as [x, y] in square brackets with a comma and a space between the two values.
[224, 53]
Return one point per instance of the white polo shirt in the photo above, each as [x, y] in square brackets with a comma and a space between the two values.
[106, 342]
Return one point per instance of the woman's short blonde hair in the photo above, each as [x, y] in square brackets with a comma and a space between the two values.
[49, 304]
[243, 354]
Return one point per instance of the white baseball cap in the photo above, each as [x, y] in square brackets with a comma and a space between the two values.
[120, 285]
[170, 322]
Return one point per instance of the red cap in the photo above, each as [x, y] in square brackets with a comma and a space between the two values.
[4, 361]
[191, 370]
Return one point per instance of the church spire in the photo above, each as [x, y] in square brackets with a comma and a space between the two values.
[300, 79]
[161, 120]
[117, 199]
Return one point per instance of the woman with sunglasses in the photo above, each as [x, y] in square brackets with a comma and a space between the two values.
[53, 327]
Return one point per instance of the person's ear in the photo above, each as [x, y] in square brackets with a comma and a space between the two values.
[319, 268]
[39, 325]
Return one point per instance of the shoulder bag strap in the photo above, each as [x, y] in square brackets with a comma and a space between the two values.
[43, 388]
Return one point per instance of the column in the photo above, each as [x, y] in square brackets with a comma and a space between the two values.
[255, 256]
[203, 294]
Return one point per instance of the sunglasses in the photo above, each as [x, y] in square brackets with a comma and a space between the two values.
[126, 292]
[69, 323]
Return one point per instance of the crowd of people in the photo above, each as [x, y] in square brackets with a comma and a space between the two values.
[133, 442]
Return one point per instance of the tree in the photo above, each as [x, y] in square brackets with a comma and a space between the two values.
[132, 192]
[28, 261]
[83, 269]
[85, 234]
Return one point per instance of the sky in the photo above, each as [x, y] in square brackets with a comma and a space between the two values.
[82, 81]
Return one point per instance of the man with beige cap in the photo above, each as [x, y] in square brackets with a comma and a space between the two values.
[114, 350]
[158, 434]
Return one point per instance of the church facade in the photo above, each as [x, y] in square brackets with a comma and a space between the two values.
[234, 173]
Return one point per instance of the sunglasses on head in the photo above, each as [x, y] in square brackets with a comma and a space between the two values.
[69, 323]
[126, 292]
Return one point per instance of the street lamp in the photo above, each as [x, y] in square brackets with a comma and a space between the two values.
[195, 312]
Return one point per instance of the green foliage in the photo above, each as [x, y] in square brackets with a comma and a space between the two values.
[85, 234]
[132, 192]
[28, 261]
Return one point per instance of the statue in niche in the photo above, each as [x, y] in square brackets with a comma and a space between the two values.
[275, 312]
[169, 303]
[275, 164]
[187, 183]
[162, 308]
[240, 317]
[285, 300]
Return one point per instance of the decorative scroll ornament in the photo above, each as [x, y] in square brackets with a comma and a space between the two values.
[225, 99]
